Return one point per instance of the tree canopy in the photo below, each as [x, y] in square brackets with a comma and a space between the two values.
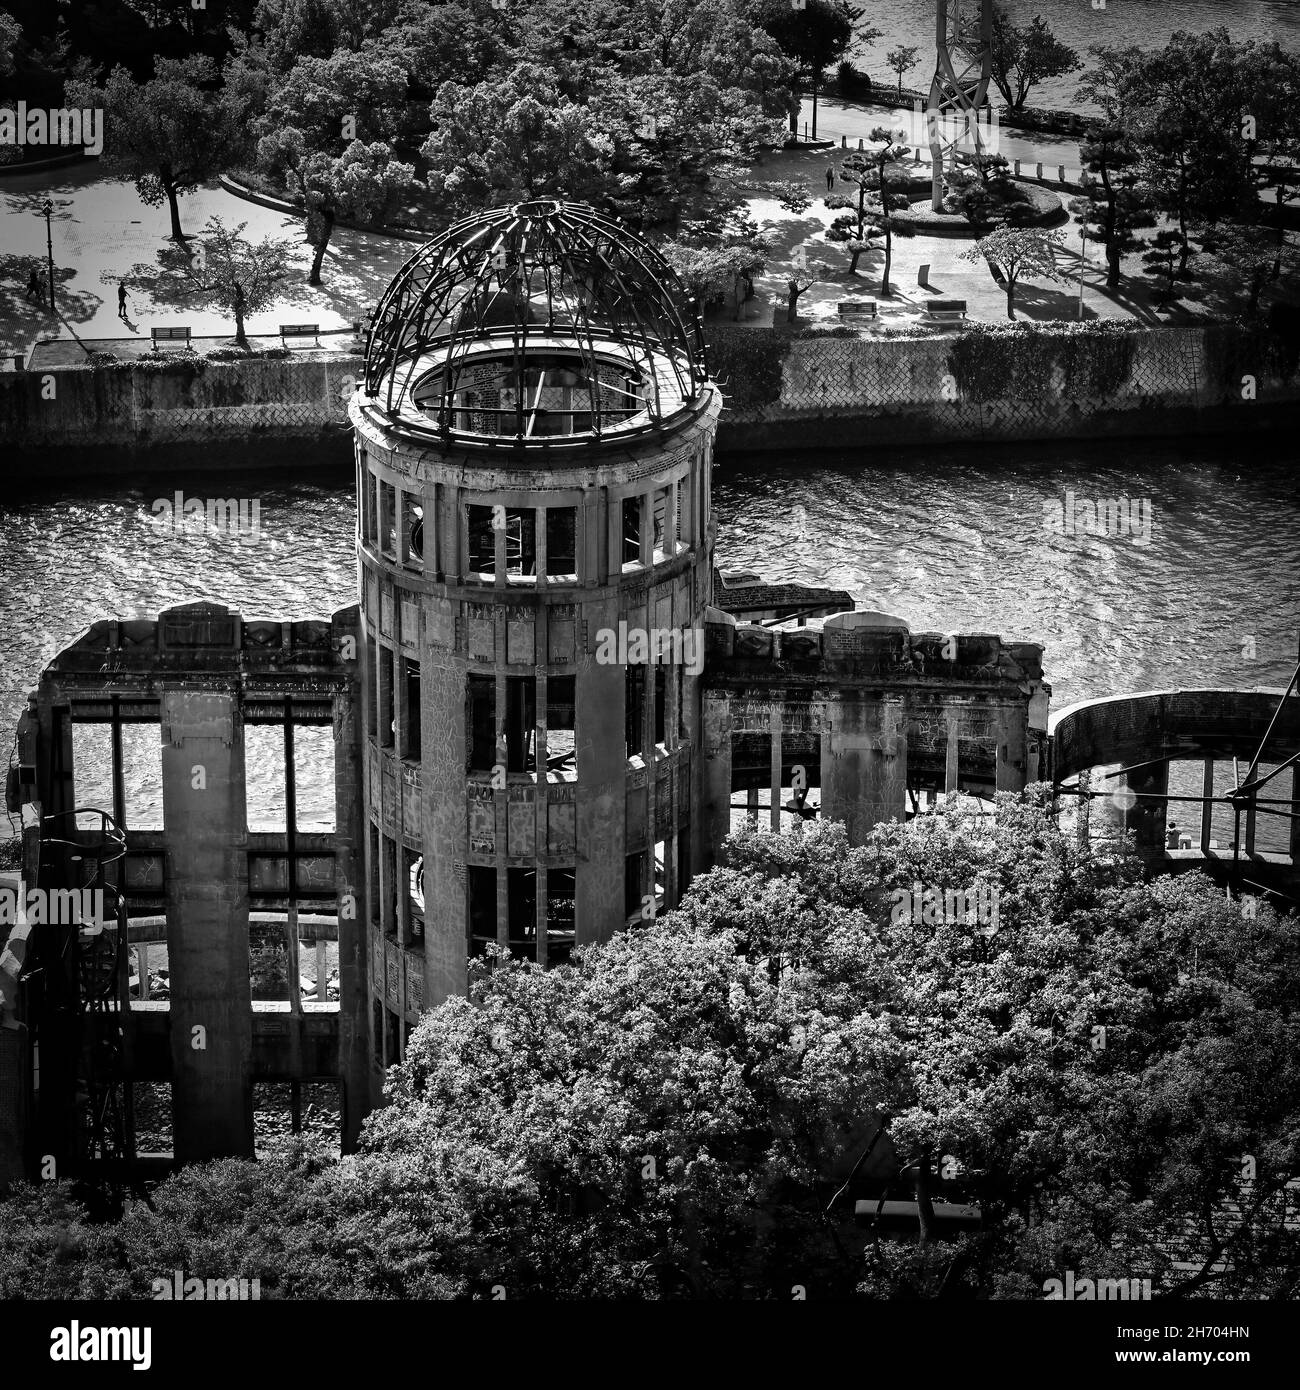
[1108, 1066]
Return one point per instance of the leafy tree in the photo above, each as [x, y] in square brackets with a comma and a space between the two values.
[168, 135]
[1247, 255]
[1020, 254]
[1025, 55]
[10, 33]
[516, 138]
[330, 133]
[361, 184]
[902, 59]
[819, 34]
[1111, 83]
[240, 276]
[681, 1113]
[1116, 206]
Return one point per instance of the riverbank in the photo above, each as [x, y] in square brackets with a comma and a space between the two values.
[781, 391]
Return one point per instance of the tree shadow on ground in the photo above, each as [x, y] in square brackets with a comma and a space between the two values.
[25, 320]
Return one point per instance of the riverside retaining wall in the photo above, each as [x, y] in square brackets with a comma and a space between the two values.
[782, 392]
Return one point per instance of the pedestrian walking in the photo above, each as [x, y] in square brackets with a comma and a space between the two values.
[121, 300]
[830, 177]
[34, 285]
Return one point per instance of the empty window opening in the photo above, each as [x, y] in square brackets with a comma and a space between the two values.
[151, 1103]
[411, 708]
[92, 764]
[521, 724]
[307, 1111]
[482, 887]
[480, 722]
[631, 551]
[561, 749]
[148, 972]
[415, 890]
[415, 533]
[562, 543]
[659, 887]
[561, 915]
[387, 725]
[521, 542]
[264, 777]
[634, 884]
[388, 518]
[313, 781]
[268, 962]
[521, 890]
[661, 704]
[318, 965]
[142, 776]
[634, 710]
[482, 542]
[413, 876]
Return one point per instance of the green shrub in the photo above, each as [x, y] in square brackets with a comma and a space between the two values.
[999, 361]
[747, 363]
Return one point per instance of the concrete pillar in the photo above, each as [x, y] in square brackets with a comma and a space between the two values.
[1009, 769]
[351, 887]
[443, 811]
[207, 924]
[774, 726]
[713, 817]
[600, 796]
[864, 764]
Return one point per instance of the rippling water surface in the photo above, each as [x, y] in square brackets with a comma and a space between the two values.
[1147, 23]
[952, 541]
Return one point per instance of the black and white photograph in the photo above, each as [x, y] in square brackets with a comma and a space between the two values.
[650, 654]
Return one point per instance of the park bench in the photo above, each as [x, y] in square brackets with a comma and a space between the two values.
[946, 310]
[299, 330]
[178, 334]
[857, 309]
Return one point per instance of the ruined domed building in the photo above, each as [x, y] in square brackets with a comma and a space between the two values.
[541, 713]
[534, 437]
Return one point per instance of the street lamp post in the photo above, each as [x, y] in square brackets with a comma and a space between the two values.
[1083, 251]
[47, 207]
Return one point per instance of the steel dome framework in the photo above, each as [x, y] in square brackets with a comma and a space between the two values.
[540, 320]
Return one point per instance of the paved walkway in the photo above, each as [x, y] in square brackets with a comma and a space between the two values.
[949, 276]
[101, 231]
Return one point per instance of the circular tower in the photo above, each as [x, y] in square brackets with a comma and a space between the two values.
[533, 441]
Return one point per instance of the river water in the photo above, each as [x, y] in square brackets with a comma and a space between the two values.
[1207, 594]
[1147, 23]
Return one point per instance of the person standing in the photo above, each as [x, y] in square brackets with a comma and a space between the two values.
[121, 300]
[830, 177]
[34, 285]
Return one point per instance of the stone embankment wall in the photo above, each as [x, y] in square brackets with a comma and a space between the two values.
[785, 392]
[782, 392]
[77, 418]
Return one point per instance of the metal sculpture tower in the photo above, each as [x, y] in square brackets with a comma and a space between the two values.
[956, 94]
